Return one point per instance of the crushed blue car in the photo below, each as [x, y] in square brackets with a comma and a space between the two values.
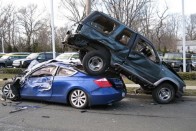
[62, 83]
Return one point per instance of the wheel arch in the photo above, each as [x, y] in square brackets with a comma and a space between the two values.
[167, 80]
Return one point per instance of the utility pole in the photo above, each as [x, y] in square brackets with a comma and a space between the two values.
[52, 26]
[88, 7]
[183, 38]
[2, 41]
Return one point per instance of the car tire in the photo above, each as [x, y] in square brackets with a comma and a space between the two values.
[10, 92]
[96, 62]
[189, 69]
[2, 65]
[164, 93]
[78, 99]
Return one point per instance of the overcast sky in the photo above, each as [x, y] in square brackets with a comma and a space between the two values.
[175, 6]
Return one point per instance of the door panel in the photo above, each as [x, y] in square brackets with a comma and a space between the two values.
[142, 61]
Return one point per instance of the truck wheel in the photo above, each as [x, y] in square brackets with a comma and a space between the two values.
[96, 62]
[164, 93]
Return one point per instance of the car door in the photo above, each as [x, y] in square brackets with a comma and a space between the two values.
[38, 85]
[143, 61]
[10, 60]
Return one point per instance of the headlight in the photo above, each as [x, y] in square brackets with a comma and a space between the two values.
[172, 64]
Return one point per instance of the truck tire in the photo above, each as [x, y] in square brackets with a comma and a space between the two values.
[96, 62]
[164, 93]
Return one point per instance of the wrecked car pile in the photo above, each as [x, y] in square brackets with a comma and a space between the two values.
[56, 81]
[105, 44]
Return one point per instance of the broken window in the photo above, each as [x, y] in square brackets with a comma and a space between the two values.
[144, 48]
[65, 72]
[103, 24]
[46, 71]
[124, 37]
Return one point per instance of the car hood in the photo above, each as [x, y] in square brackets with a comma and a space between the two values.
[2, 60]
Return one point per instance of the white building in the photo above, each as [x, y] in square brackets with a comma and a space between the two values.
[189, 46]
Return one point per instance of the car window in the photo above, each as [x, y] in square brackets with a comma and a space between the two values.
[104, 25]
[45, 71]
[124, 37]
[146, 49]
[65, 72]
[41, 56]
[49, 56]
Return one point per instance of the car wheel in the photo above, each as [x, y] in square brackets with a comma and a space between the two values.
[8, 91]
[164, 93]
[78, 99]
[189, 69]
[2, 65]
[96, 62]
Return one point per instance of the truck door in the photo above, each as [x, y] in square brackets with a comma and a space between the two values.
[143, 60]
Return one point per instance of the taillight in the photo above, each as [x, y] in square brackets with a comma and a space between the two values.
[103, 83]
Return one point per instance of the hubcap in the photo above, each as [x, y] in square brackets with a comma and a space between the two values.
[8, 92]
[165, 94]
[78, 98]
[95, 63]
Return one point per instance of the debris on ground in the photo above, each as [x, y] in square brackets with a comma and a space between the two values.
[18, 109]
[46, 116]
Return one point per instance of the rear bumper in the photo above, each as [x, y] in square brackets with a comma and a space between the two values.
[106, 96]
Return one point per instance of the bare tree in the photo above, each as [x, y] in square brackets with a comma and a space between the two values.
[126, 11]
[74, 10]
[191, 27]
[30, 21]
[159, 29]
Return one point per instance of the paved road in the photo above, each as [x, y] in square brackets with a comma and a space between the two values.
[133, 113]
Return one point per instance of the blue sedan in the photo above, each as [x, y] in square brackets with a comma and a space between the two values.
[58, 82]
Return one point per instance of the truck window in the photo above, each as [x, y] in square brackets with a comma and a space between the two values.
[124, 37]
[145, 49]
[104, 25]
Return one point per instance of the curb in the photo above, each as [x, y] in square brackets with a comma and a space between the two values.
[138, 86]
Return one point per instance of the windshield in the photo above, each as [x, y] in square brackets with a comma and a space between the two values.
[5, 56]
[169, 56]
[64, 56]
[32, 56]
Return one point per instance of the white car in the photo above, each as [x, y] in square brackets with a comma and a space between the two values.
[69, 57]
